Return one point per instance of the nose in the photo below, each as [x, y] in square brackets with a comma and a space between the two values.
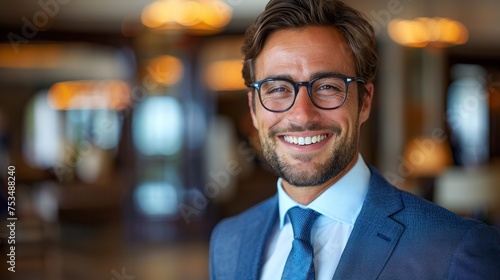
[303, 110]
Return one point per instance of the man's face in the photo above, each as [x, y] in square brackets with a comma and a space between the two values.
[300, 55]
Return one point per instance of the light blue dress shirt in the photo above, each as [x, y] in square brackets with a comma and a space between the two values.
[339, 207]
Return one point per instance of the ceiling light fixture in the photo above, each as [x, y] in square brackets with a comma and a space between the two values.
[423, 31]
[198, 17]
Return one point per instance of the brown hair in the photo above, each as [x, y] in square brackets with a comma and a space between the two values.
[285, 14]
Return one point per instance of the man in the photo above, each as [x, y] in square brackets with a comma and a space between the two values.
[310, 66]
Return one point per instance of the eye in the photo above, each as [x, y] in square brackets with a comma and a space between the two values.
[328, 90]
[277, 88]
[330, 86]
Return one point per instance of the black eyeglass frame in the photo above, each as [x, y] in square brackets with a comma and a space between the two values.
[347, 80]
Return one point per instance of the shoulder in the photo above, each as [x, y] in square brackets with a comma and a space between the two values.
[477, 253]
[420, 218]
[434, 218]
[237, 242]
[435, 237]
[412, 211]
[467, 248]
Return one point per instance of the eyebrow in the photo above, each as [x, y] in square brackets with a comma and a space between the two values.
[313, 76]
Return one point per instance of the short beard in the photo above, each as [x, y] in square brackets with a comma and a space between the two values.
[341, 156]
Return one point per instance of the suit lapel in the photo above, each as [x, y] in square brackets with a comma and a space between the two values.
[375, 233]
[254, 240]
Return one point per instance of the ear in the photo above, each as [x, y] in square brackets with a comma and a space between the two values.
[251, 104]
[366, 107]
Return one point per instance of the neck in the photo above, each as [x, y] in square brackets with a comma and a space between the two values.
[304, 195]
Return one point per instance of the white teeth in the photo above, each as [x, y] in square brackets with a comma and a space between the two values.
[301, 141]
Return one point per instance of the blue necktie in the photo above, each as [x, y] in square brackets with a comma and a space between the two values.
[299, 264]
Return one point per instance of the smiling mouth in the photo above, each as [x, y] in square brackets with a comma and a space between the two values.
[303, 141]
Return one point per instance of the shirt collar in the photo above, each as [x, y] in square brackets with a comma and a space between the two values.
[341, 202]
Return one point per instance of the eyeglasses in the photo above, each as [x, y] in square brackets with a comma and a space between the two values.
[326, 92]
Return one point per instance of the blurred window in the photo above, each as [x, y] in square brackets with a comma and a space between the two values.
[158, 199]
[158, 126]
[100, 127]
[42, 133]
[468, 115]
[67, 139]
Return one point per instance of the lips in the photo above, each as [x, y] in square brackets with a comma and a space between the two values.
[304, 141]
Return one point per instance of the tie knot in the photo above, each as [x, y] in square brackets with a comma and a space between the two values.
[302, 221]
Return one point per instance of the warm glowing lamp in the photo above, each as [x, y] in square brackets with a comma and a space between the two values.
[427, 157]
[423, 31]
[166, 70]
[424, 159]
[29, 56]
[193, 16]
[224, 75]
[89, 95]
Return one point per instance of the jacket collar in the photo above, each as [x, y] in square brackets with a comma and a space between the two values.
[375, 233]
[254, 240]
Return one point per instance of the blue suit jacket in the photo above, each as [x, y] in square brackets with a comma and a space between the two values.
[396, 236]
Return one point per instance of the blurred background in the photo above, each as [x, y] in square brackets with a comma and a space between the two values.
[127, 124]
